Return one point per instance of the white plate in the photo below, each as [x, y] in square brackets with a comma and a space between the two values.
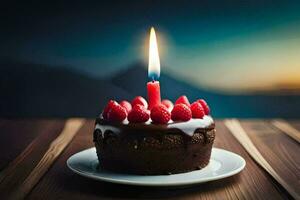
[222, 164]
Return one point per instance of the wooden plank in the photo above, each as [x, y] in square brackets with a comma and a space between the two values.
[277, 148]
[295, 123]
[285, 127]
[241, 134]
[17, 134]
[61, 183]
[21, 166]
[55, 149]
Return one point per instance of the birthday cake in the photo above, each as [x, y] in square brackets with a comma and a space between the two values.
[166, 139]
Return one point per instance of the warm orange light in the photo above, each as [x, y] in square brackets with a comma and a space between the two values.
[154, 63]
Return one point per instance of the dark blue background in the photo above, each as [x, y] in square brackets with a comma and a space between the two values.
[62, 59]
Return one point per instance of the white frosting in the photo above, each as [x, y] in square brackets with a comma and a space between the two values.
[190, 126]
[187, 127]
[104, 128]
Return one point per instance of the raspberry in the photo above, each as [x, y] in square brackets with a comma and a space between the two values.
[107, 108]
[138, 114]
[184, 100]
[139, 100]
[204, 105]
[116, 113]
[126, 105]
[197, 110]
[181, 112]
[168, 104]
[160, 114]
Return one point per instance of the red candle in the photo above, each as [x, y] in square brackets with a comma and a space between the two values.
[153, 89]
[153, 72]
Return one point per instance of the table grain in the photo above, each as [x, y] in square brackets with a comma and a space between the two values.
[25, 141]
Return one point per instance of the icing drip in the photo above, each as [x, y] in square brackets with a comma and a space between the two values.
[104, 128]
[190, 126]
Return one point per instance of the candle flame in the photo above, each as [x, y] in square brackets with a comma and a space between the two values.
[154, 63]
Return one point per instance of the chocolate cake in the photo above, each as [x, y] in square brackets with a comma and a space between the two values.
[152, 149]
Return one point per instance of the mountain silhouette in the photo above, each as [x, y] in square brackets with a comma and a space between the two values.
[134, 79]
[34, 90]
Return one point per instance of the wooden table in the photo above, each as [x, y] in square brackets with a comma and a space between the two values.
[34, 144]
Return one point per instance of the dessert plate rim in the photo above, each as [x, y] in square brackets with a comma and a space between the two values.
[223, 163]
